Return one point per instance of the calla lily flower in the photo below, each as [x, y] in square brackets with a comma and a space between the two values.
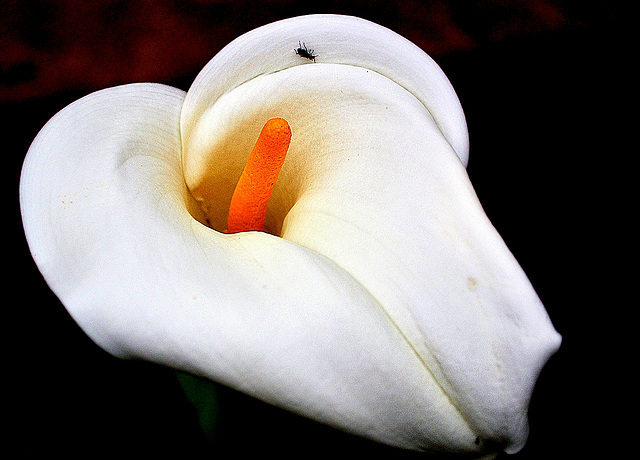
[379, 298]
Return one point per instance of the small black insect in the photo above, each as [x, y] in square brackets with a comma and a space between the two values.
[305, 52]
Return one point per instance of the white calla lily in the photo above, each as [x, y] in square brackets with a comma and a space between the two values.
[383, 303]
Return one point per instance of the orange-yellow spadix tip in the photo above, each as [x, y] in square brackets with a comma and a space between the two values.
[248, 207]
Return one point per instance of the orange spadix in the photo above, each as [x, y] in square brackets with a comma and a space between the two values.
[248, 207]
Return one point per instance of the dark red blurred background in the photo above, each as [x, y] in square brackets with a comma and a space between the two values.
[53, 46]
[539, 86]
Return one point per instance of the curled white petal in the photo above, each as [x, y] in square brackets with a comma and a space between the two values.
[390, 307]
[336, 39]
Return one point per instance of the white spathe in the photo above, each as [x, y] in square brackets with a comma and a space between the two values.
[388, 306]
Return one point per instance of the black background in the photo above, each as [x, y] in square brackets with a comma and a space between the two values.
[542, 96]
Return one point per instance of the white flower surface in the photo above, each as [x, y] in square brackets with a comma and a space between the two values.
[380, 301]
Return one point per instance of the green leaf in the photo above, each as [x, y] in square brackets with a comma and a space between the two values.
[202, 394]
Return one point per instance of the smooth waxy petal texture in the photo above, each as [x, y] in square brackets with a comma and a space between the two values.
[144, 279]
[389, 307]
[371, 183]
[337, 40]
